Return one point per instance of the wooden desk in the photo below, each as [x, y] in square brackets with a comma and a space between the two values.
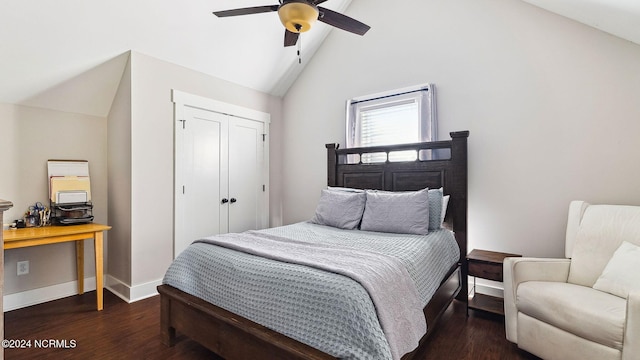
[19, 238]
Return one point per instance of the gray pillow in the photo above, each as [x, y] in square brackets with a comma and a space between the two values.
[402, 212]
[341, 209]
[435, 209]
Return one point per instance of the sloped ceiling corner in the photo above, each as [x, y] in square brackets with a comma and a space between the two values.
[65, 54]
[617, 17]
[90, 92]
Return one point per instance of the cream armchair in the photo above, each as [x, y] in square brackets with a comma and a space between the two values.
[586, 306]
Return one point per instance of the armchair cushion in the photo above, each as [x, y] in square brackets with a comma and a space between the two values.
[591, 314]
[621, 275]
[601, 231]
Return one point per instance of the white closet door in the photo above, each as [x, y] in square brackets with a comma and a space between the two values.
[221, 169]
[202, 164]
[246, 174]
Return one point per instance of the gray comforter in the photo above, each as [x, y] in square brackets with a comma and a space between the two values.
[328, 310]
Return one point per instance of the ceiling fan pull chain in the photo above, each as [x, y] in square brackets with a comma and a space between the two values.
[300, 50]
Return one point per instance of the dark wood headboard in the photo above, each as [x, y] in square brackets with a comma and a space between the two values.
[444, 164]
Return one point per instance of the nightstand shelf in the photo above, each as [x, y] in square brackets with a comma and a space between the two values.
[486, 265]
[489, 303]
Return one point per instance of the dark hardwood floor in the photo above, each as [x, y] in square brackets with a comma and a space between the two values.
[132, 331]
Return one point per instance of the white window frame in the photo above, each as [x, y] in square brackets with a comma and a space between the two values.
[423, 95]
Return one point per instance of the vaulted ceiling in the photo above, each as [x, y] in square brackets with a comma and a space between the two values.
[50, 49]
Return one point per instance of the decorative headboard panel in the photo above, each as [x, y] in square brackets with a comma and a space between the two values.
[440, 164]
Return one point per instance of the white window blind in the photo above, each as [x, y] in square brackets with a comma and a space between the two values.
[397, 117]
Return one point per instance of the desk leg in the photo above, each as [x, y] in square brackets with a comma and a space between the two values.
[99, 271]
[80, 265]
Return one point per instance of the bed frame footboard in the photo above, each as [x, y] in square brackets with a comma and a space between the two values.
[226, 334]
[235, 337]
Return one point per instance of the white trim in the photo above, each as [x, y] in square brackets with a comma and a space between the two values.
[54, 292]
[488, 287]
[427, 86]
[186, 99]
[132, 293]
[42, 295]
[490, 290]
[146, 290]
[117, 287]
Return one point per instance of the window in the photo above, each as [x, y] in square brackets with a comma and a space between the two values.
[396, 117]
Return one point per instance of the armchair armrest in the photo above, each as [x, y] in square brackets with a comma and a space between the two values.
[631, 344]
[518, 270]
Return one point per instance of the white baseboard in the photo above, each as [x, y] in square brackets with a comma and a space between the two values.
[488, 287]
[119, 288]
[146, 290]
[54, 292]
[42, 295]
[132, 293]
[490, 290]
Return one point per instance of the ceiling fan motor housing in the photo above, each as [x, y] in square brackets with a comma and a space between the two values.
[298, 16]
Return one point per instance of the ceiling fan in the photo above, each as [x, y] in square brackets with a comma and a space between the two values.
[298, 15]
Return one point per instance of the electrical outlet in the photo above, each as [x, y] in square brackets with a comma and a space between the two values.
[23, 267]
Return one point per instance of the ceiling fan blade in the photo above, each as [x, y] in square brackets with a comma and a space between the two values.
[290, 38]
[342, 21]
[316, 2]
[246, 11]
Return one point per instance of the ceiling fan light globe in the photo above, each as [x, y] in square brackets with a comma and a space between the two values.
[298, 17]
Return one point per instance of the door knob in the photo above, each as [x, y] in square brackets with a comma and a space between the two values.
[225, 200]
[233, 200]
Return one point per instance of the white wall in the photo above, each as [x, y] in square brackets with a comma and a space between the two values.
[552, 106]
[119, 184]
[151, 155]
[28, 138]
[134, 145]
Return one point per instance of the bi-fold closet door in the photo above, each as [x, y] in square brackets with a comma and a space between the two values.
[221, 174]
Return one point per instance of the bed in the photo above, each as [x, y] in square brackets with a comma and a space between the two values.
[441, 164]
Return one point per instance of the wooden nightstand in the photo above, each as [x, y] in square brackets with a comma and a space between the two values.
[486, 265]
